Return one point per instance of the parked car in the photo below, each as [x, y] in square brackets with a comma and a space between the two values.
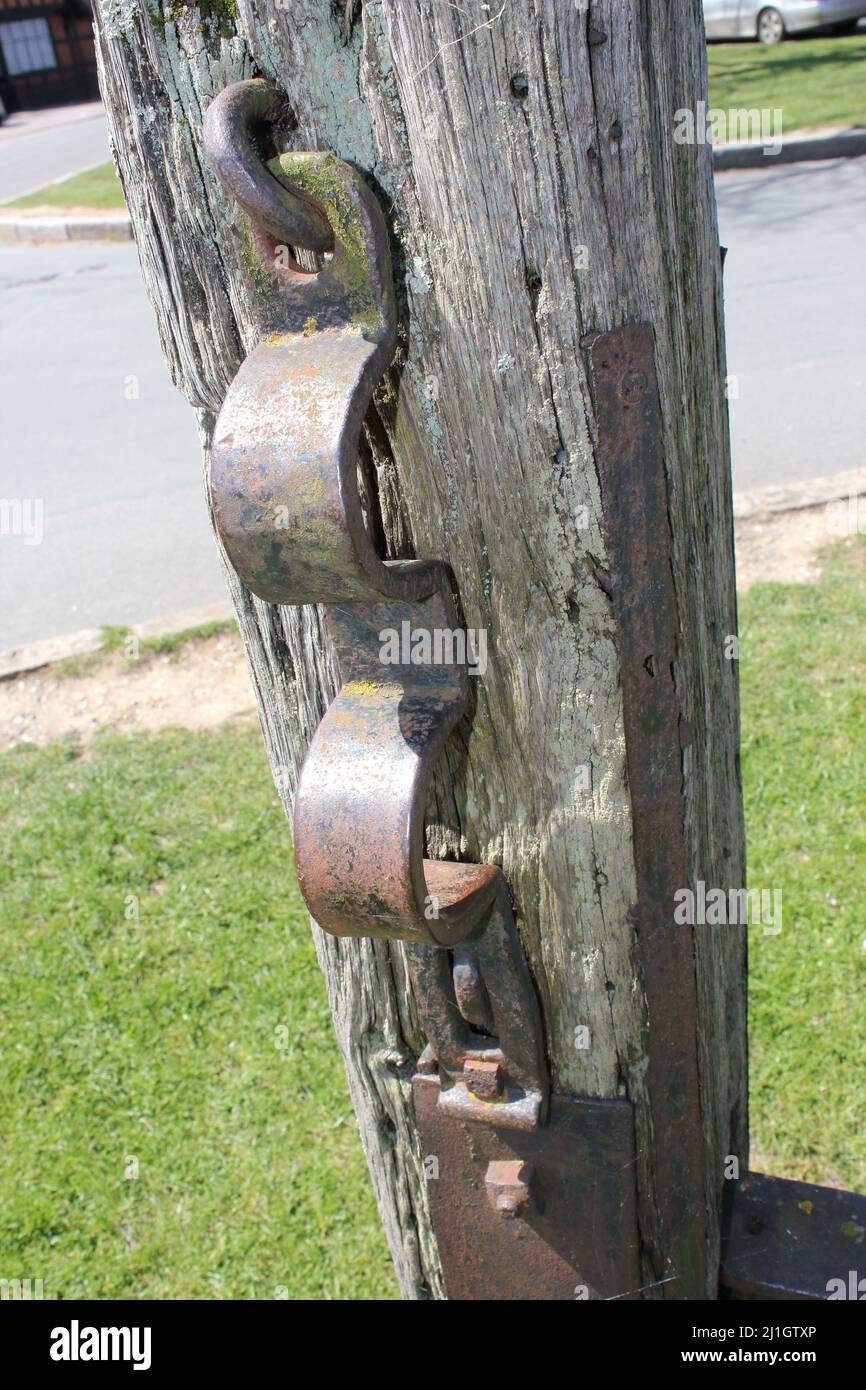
[749, 19]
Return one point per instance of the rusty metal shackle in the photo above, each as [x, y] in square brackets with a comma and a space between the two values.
[229, 128]
[285, 497]
[284, 474]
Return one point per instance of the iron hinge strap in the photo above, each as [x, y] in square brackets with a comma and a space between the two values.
[286, 503]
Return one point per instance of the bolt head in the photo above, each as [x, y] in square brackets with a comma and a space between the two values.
[633, 387]
[508, 1185]
[483, 1079]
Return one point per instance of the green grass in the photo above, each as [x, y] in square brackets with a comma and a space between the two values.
[97, 188]
[116, 639]
[153, 943]
[815, 82]
[170, 643]
[123, 639]
[803, 675]
[149, 1044]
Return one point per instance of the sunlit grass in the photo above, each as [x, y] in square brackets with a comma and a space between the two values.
[97, 188]
[815, 82]
[174, 1109]
[803, 674]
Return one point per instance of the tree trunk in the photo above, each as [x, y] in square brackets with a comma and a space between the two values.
[523, 154]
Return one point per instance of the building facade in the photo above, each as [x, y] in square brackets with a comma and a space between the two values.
[46, 53]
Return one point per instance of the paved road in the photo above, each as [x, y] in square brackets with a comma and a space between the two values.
[37, 147]
[795, 295]
[126, 534]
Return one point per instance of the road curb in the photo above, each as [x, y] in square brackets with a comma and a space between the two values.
[844, 144]
[795, 497]
[792, 497]
[14, 230]
[848, 144]
[33, 656]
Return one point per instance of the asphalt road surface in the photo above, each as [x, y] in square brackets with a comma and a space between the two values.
[126, 536]
[92, 425]
[37, 147]
[795, 306]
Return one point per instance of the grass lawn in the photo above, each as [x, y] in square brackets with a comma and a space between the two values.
[815, 81]
[97, 188]
[174, 1110]
[803, 674]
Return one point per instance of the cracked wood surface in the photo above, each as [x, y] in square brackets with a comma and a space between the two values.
[534, 194]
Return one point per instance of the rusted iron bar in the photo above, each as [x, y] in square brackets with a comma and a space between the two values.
[792, 1240]
[630, 457]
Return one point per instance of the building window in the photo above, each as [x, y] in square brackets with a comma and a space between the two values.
[27, 46]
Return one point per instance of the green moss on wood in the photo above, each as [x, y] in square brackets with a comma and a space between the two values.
[326, 181]
[217, 17]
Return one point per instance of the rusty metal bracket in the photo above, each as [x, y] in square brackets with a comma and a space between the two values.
[521, 1216]
[285, 496]
[792, 1240]
[286, 502]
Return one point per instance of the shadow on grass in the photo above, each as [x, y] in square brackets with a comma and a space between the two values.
[841, 52]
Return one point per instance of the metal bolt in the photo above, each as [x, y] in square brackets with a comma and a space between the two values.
[507, 1184]
[483, 1079]
[632, 387]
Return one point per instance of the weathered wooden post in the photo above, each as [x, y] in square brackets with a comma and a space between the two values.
[540, 421]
